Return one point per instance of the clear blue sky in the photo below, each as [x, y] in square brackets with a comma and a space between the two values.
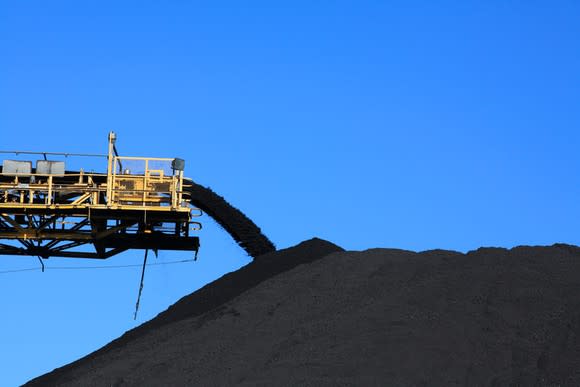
[407, 124]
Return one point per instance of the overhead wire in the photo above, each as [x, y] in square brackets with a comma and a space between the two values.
[49, 268]
[20, 270]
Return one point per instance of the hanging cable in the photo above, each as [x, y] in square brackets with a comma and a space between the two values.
[141, 284]
[42, 263]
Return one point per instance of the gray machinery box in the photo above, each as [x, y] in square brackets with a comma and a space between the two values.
[46, 167]
[16, 167]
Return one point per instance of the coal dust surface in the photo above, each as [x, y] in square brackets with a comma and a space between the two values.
[316, 315]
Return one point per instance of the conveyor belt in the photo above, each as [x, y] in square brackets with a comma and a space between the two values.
[233, 221]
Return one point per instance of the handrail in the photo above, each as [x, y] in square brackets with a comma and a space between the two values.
[54, 174]
[145, 158]
[54, 153]
[31, 184]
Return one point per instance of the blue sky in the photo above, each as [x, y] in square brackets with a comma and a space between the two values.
[406, 124]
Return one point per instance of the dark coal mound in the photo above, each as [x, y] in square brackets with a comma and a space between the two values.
[206, 299]
[239, 226]
[375, 318]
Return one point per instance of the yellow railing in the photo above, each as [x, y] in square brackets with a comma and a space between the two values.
[149, 190]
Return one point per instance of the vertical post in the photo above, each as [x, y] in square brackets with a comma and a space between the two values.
[174, 188]
[145, 181]
[49, 196]
[180, 188]
[95, 192]
[110, 161]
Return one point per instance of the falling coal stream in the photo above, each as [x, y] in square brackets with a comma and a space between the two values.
[239, 226]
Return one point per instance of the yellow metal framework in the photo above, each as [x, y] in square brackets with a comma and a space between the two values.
[52, 214]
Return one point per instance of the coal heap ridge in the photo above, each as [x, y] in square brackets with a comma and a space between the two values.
[317, 315]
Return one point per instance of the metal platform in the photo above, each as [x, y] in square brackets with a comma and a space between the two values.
[50, 212]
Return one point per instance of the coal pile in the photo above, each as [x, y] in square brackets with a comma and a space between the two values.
[315, 315]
